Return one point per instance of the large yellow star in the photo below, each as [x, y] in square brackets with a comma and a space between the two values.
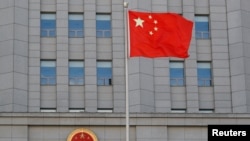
[139, 22]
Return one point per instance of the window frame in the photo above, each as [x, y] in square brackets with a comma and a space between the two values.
[76, 31]
[180, 82]
[50, 16]
[49, 80]
[202, 34]
[107, 80]
[105, 33]
[75, 77]
[204, 79]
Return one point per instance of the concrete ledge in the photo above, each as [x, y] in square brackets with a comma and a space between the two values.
[99, 119]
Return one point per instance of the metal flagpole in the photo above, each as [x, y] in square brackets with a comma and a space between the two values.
[125, 4]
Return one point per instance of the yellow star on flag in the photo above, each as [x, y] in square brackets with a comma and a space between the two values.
[139, 22]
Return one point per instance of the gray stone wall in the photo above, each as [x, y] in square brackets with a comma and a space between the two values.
[14, 56]
[22, 49]
[23, 101]
[238, 38]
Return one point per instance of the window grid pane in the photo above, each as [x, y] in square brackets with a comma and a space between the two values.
[48, 73]
[204, 75]
[48, 25]
[76, 73]
[177, 74]
[103, 26]
[76, 25]
[202, 27]
[104, 73]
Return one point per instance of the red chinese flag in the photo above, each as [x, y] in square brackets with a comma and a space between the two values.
[159, 35]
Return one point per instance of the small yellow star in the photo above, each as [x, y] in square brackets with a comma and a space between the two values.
[82, 136]
[151, 33]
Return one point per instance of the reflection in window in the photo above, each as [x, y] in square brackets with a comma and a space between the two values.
[48, 25]
[176, 74]
[48, 73]
[204, 74]
[103, 26]
[202, 27]
[76, 25]
[76, 73]
[104, 73]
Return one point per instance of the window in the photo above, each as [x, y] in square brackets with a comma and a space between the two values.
[105, 110]
[103, 26]
[202, 27]
[76, 73]
[104, 73]
[76, 110]
[204, 74]
[48, 25]
[48, 73]
[48, 110]
[176, 74]
[76, 25]
[178, 110]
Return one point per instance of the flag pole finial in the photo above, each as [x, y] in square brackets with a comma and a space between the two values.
[125, 4]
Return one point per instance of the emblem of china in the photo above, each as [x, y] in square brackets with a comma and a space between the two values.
[82, 135]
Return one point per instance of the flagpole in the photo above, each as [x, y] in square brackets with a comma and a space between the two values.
[125, 4]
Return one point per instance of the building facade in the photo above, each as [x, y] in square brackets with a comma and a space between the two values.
[62, 67]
